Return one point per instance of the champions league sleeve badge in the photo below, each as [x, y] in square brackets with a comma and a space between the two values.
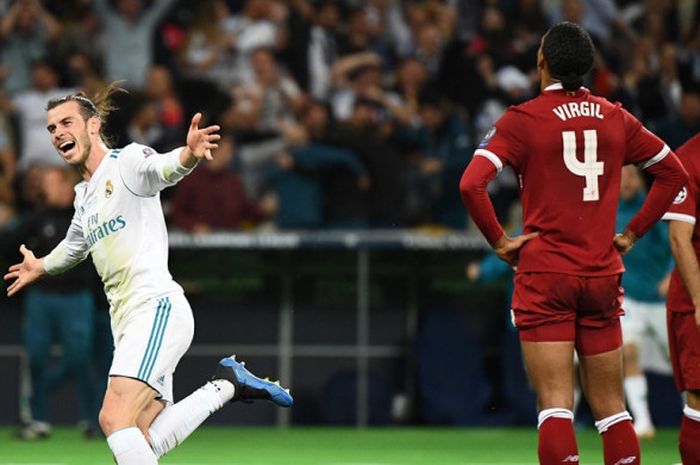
[109, 188]
[680, 198]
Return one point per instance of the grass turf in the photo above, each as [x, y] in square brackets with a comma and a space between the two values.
[331, 446]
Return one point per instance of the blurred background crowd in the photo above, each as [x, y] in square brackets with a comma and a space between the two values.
[335, 113]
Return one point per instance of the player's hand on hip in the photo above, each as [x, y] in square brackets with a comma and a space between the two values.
[508, 248]
[201, 141]
[24, 273]
[624, 241]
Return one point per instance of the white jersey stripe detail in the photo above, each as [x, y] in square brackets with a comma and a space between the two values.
[492, 157]
[657, 158]
[679, 217]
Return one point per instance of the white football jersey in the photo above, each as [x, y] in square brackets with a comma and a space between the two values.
[119, 221]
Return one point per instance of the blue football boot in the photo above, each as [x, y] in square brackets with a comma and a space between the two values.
[248, 386]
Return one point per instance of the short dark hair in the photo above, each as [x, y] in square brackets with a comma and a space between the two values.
[568, 51]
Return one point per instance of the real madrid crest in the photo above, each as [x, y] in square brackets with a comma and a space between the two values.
[109, 188]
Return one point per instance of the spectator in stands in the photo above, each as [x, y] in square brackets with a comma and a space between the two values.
[210, 53]
[170, 113]
[82, 73]
[442, 149]
[354, 77]
[358, 36]
[8, 168]
[60, 308]
[213, 199]
[342, 175]
[680, 127]
[411, 78]
[30, 109]
[387, 22]
[366, 135]
[323, 48]
[270, 101]
[255, 27]
[127, 38]
[144, 126]
[25, 31]
[308, 172]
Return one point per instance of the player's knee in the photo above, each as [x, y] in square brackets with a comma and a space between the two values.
[117, 412]
[107, 420]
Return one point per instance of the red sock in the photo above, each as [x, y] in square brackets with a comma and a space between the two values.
[689, 443]
[621, 445]
[557, 442]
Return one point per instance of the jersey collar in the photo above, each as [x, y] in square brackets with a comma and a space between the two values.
[559, 86]
[555, 86]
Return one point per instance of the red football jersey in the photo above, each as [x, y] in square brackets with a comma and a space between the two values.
[568, 149]
[685, 208]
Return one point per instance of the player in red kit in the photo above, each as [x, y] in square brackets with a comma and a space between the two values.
[567, 148]
[683, 301]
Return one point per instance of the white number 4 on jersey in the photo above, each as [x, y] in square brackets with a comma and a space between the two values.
[590, 168]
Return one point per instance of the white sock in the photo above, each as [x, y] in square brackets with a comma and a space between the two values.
[130, 447]
[691, 413]
[636, 393]
[605, 424]
[553, 413]
[177, 422]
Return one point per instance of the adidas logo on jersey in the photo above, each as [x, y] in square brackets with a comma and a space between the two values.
[626, 460]
[570, 459]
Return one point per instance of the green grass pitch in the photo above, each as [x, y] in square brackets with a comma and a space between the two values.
[331, 446]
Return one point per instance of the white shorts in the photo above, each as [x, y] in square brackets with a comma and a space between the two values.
[149, 345]
[644, 324]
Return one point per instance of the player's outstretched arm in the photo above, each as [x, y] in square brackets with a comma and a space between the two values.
[200, 142]
[24, 273]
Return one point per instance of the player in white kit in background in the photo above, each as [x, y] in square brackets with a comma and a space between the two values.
[119, 221]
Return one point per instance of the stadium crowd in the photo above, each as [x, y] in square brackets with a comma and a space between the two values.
[337, 114]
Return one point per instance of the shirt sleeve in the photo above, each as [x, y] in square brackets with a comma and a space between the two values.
[72, 250]
[146, 172]
[684, 205]
[643, 147]
[503, 144]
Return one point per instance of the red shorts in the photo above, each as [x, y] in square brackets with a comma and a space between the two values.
[551, 307]
[684, 343]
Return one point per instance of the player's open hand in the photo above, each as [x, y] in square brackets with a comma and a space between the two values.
[202, 141]
[24, 273]
[508, 248]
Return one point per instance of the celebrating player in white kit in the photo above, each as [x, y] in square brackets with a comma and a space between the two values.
[119, 221]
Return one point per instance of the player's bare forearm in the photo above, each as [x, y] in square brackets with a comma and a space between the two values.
[680, 234]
